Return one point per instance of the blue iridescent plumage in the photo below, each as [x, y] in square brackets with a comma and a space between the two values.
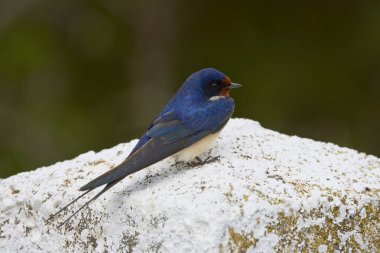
[201, 107]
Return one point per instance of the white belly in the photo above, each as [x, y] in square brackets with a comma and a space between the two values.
[197, 148]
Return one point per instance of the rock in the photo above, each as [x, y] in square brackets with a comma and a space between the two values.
[268, 192]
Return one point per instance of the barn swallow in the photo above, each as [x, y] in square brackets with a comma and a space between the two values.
[187, 126]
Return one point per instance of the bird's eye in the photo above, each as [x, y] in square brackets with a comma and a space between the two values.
[214, 86]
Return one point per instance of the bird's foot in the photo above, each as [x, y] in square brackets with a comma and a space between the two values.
[199, 161]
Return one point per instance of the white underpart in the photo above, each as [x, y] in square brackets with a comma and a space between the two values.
[189, 153]
[214, 98]
[200, 146]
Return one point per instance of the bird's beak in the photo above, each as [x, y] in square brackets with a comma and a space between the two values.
[234, 86]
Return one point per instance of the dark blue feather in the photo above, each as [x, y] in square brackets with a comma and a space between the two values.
[167, 135]
[188, 117]
[164, 143]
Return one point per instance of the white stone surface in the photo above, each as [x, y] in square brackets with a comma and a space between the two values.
[269, 192]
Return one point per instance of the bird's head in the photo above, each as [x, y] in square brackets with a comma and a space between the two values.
[212, 83]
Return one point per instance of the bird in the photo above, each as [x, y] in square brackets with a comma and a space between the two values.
[186, 127]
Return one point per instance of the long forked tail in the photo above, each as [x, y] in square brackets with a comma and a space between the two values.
[66, 206]
[141, 158]
[106, 188]
[116, 174]
[109, 179]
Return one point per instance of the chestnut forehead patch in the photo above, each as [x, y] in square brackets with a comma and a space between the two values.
[226, 81]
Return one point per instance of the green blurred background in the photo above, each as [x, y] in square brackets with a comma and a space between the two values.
[86, 75]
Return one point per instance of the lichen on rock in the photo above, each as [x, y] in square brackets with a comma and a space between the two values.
[267, 192]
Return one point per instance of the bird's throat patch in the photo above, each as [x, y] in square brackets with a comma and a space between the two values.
[225, 92]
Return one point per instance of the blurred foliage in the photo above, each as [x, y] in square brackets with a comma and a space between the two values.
[87, 75]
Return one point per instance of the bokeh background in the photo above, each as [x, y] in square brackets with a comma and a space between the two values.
[79, 75]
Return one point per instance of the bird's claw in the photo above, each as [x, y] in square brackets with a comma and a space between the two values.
[199, 161]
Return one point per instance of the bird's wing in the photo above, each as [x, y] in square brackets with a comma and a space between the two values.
[164, 138]
[168, 134]
[162, 118]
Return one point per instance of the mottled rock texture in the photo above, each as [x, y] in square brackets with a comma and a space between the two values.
[268, 192]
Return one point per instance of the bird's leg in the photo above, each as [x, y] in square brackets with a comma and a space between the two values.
[199, 161]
